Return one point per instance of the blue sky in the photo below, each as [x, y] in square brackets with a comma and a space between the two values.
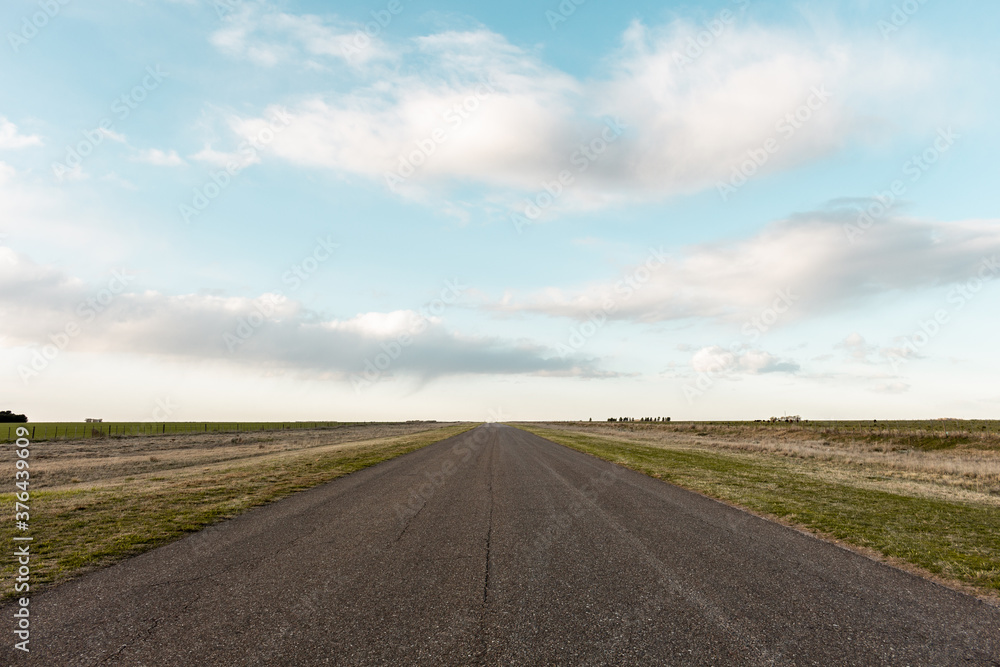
[401, 210]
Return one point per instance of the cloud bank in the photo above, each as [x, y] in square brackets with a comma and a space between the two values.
[469, 107]
[799, 267]
[41, 307]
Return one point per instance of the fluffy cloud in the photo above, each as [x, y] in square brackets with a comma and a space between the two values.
[490, 116]
[42, 306]
[682, 125]
[242, 159]
[856, 348]
[791, 269]
[158, 158]
[861, 351]
[11, 138]
[715, 360]
[267, 37]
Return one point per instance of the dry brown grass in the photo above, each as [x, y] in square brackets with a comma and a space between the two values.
[61, 464]
[962, 465]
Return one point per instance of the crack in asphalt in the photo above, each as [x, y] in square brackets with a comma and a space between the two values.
[408, 522]
[486, 574]
[489, 536]
[112, 655]
[195, 596]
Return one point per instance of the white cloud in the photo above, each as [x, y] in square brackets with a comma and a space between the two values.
[10, 138]
[112, 135]
[223, 160]
[75, 174]
[384, 325]
[37, 302]
[685, 128]
[861, 351]
[500, 133]
[267, 38]
[717, 360]
[856, 347]
[156, 157]
[798, 267]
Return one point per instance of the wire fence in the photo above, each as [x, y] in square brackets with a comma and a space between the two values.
[41, 431]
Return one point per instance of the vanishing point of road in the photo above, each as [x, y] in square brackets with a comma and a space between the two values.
[497, 547]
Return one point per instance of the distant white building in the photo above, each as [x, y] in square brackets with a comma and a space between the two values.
[90, 419]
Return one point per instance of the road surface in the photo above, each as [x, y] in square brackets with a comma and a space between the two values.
[498, 547]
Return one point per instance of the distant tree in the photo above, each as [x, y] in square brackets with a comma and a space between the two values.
[8, 417]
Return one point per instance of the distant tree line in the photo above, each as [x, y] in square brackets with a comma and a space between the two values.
[642, 419]
[8, 417]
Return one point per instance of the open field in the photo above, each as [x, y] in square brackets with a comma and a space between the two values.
[40, 431]
[96, 501]
[923, 495]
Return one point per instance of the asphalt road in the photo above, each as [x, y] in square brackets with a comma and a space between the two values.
[497, 547]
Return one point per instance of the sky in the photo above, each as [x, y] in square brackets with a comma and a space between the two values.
[388, 210]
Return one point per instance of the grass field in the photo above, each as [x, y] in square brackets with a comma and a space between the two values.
[41, 431]
[897, 433]
[922, 495]
[97, 501]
